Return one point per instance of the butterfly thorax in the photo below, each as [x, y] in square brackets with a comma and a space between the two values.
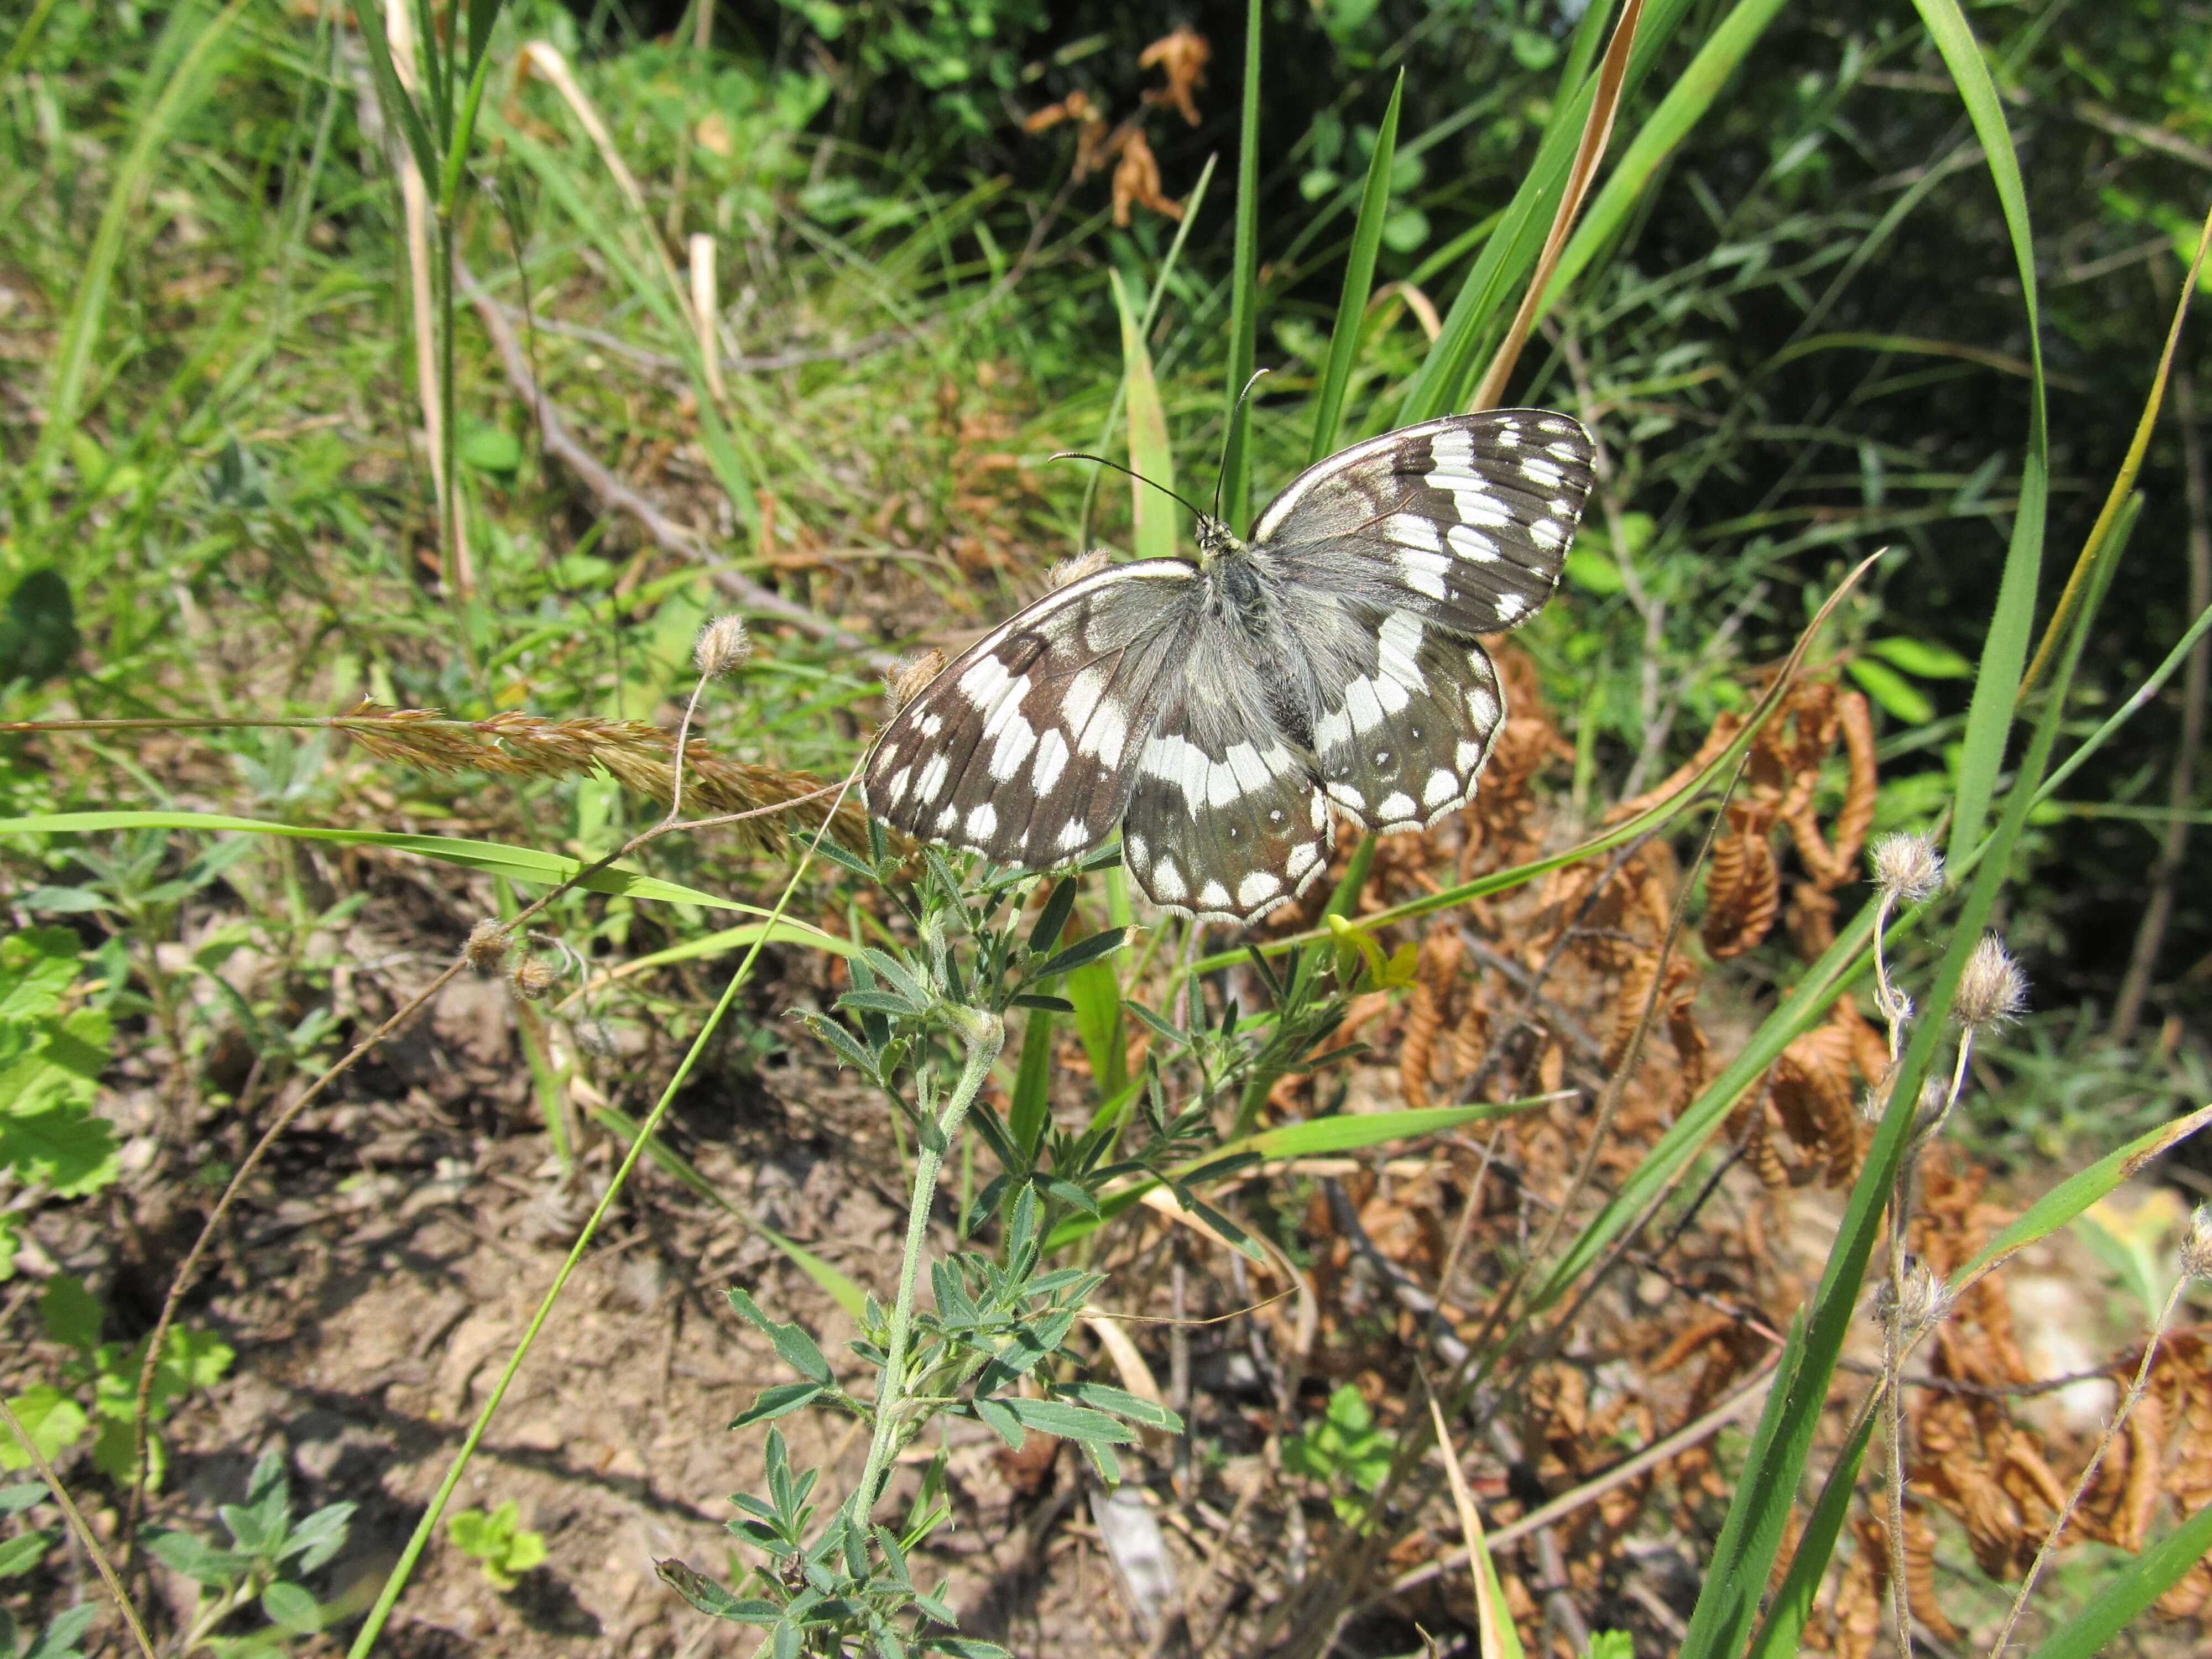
[1242, 592]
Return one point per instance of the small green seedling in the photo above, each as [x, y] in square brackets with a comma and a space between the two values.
[268, 1556]
[498, 1543]
[1344, 1447]
[18, 1555]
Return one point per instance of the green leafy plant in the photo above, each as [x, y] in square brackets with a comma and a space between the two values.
[263, 1565]
[1343, 1448]
[52, 1056]
[102, 1382]
[19, 1554]
[501, 1546]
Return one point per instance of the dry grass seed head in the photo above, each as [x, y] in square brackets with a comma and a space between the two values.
[909, 675]
[1992, 988]
[723, 648]
[1906, 866]
[487, 945]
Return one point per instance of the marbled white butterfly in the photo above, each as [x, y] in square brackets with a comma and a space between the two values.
[1219, 711]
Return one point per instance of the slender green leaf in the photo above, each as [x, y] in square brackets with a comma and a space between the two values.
[1244, 290]
[1028, 1111]
[1777, 1637]
[1358, 280]
[1684, 105]
[2004, 648]
[1157, 513]
[523, 863]
[1098, 946]
[2071, 1196]
[2128, 1595]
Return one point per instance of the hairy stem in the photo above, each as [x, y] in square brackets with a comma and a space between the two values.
[984, 1039]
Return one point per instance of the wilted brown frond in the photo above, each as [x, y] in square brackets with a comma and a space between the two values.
[1181, 55]
[638, 756]
[1743, 886]
[1436, 975]
[1137, 179]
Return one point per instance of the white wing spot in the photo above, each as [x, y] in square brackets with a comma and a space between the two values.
[895, 786]
[1051, 761]
[931, 725]
[1213, 896]
[1134, 850]
[1167, 882]
[931, 779]
[1258, 888]
[983, 821]
[1482, 706]
[984, 680]
[1014, 744]
[1442, 786]
[1394, 807]
[1345, 795]
[1074, 836]
[1509, 606]
[1542, 472]
[1473, 544]
[1303, 858]
[1413, 530]
[1547, 535]
[1566, 451]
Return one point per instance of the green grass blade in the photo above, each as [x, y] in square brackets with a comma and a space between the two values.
[1158, 515]
[1358, 280]
[149, 136]
[1029, 1108]
[1345, 1132]
[1766, 1489]
[2141, 1583]
[1507, 256]
[1684, 105]
[2004, 650]
[1244, 290]
[1777, 1637]
[785, 932]
[2058, 1206]
[524, 864]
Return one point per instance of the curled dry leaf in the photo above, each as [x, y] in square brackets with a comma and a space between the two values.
[1181, 55]
[1137, 179]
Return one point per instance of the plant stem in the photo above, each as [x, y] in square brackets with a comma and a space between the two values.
[984, 1039]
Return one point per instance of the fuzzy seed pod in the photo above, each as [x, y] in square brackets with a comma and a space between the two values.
[1074, 569]
[1992, 991]
[1906, 866]
[2196, 1246]
[723, 648]
[1924, 1300]
[910, 674]
[530, 978]
[487, 945]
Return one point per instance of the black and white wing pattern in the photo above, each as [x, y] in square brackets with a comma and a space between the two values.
[1220, 711]
[1025, 748]
[1227, 821]
[1398, 552]
[1463, 521]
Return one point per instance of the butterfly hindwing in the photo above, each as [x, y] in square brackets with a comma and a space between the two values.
[1464, 520]
[1226, 821]
[1024, 747]
[1407, 711]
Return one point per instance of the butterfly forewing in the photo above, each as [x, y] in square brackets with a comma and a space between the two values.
[1465, 520]
[1025, 747]
[1225, 823]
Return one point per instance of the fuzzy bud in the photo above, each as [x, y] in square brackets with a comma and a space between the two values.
[1906, 866]
[723, 647]
[1934, 1106]
[1924, 1301]
[2196, 1245]
[487, 945]
[529, 979]
[1992, 991]
[910, 674]
[1069, 571]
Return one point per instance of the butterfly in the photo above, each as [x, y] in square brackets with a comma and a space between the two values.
[1221, 711]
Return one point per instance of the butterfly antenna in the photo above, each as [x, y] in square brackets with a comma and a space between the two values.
[1079, 455]
[1223, 468]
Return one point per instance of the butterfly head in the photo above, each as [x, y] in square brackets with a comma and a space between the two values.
[1215, 539]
